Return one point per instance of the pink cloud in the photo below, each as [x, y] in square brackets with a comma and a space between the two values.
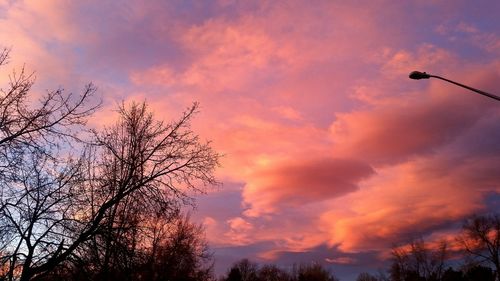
[397, 64]
[239, 232]
[301, 183]
[401, 129]
[341, 260]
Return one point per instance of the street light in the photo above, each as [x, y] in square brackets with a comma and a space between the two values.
[417, 75]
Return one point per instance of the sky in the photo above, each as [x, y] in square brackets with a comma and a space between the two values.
[331, 154]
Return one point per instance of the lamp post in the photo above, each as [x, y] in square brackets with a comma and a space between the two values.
[417, 75]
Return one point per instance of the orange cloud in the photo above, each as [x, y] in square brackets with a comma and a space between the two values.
[410, 199]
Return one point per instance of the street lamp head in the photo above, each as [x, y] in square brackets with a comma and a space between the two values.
[417, 75]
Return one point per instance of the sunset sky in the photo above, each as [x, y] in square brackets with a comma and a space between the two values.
[331, 154]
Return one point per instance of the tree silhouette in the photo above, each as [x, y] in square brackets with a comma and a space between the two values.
[364, 276]
[38, 176]
[314, 272]
[61, 193]
[245, 270]
[417, 261]
[271, 272]
[480, 238]
[182, 254]
[479, 272]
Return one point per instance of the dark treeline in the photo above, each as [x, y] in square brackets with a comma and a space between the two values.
[477, 246]
[249, 271]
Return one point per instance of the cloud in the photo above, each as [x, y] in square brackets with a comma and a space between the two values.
[421, 195]
[341, 260]
[302, 183]
[398, 63]
[401, 129]
[398, 208]
[469, 33]
[239, 233]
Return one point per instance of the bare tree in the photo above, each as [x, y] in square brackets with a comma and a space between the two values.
[480, 238]
[53, 202]
[270, 272]
[313, 271]
[417, 261]
[26, 129]
[37, 177]
[37, 211]
[243, 270]
[171, 250]
[181, 254]
[365, 276]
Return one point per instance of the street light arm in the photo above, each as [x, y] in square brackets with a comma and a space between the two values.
[467, 87]
[417, 75]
